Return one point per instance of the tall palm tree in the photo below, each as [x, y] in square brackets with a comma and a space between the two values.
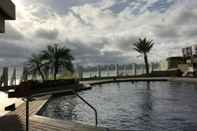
[143, 46]
[56, 57]
[35, 65]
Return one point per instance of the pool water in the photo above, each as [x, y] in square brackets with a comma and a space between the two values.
[155, 106]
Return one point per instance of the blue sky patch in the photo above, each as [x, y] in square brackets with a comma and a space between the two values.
[161, 6]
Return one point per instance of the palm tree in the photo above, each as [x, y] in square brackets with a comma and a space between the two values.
[35, 65]
[143, 46]
[55, 56]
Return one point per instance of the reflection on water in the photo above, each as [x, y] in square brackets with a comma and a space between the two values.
[155, 106]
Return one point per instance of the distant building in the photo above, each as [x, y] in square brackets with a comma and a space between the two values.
[190, 55]
[172, 66]
[187, 63]
[173, 62]
[7, 12]
[189, 51]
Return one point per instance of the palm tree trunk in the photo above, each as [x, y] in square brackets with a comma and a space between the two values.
[41, 74]
[46, 72]
[55, 72]
[146, 63]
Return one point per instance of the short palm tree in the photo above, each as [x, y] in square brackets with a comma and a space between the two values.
[143, 46]
[35, 65]
[55, 56]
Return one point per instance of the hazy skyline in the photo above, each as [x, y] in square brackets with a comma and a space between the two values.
[99, 31]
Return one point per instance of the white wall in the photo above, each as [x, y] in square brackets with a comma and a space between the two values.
[163, 65]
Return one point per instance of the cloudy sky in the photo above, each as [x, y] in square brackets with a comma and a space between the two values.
[99, 31]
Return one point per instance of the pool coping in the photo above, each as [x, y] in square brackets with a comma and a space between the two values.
[141, 79]
[137, 79]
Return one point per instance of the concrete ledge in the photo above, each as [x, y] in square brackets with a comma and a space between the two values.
[136, 79]
[182, 79]
[8, 9]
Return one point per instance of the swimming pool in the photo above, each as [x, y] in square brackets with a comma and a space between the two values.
[155, 106]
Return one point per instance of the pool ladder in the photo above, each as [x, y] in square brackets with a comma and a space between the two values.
[93, 108]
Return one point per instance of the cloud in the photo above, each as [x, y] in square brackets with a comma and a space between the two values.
[12, 50]
[101, 31]
[47, 34]
[11, 33]
[166, 32]
[118, 6]
[126, 43]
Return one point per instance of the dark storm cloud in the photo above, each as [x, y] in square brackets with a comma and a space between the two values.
[114, 57]
[182, 27]
[126, 43]
[191, 33]
[80, 49]
[13, 49]
[166, 31]
[5, 62]
[47, 34]
[107, 57]
[83, 50]
[85, 54]
[186, 17]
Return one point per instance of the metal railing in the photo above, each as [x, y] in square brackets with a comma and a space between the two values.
[28, 99]
[94, 109]
[27, 114]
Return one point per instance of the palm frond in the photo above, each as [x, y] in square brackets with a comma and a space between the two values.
[143, 45]
[56, 56]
